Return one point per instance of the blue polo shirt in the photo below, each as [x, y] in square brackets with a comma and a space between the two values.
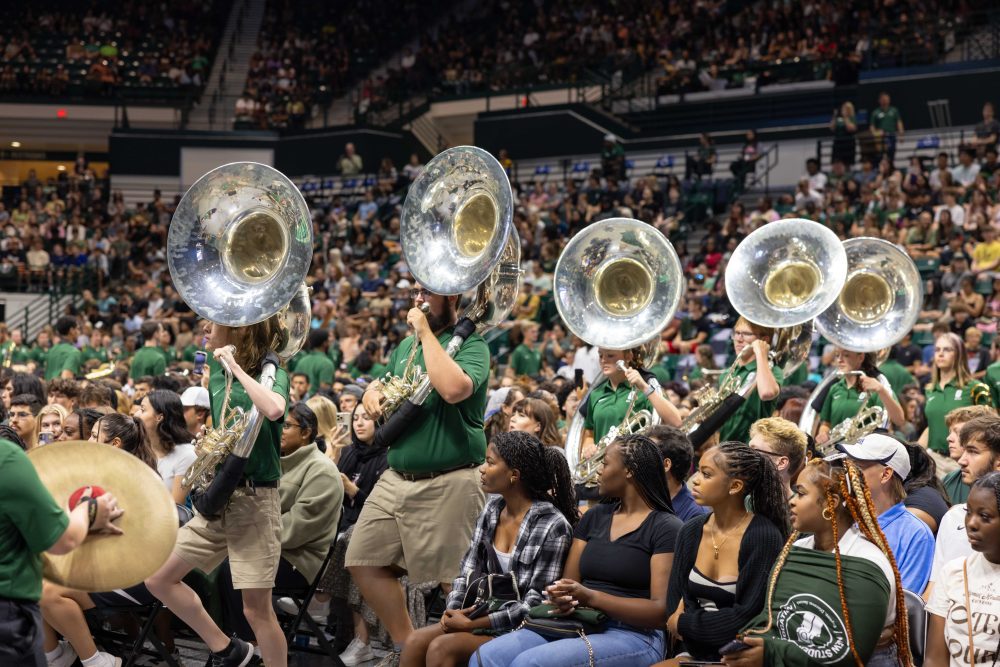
[684, 505]
[912, 543]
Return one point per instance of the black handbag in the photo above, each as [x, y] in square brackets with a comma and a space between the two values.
[489, 589]
[581, 622]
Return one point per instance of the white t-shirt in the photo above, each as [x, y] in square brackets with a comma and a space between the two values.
[853, 543]
[951, 541]
[175, 464]
[948, 601]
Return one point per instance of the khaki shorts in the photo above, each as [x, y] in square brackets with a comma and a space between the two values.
[422, 527]
[249, 533]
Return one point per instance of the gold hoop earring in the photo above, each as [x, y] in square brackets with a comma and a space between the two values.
[513, 481]
[827, 514]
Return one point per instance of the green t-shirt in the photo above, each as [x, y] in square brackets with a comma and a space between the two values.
[188, 353]
[376, 371]
[90, 352]
[843, 402]
[30, 522]
[737, 427]
[318, 367]
[39, 354]
[264, 464]
[607, 406]
[147, 361]
[168, 354]
[449, 435]
[957, 490]
[992, 379]
[886, 120]
[526, 361]
[897, 375]
[941, 401]
[62, 357]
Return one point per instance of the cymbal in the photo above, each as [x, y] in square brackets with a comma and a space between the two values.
[108, 562]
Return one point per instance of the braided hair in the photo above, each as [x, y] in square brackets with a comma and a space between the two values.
[760, 478]
[847, 485]
[642, 458]
[544, 471]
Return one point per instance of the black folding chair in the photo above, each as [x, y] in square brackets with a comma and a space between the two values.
[133, 648]
[290, 624]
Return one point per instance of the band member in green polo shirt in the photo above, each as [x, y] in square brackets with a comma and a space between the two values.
[760, 403]
[31, 522]
[249, 529]
[608, 402]
[952, 386]
[526, 359]
[316, 363]
[887, 124]
[148, 360]
[14, 351]
[40, 350]
[843, 401]
[64, 360]
[992, 379]
[419, 517]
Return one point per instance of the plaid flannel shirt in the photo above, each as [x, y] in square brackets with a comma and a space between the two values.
[540, 550]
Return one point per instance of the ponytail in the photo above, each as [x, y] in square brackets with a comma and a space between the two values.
[760, 479]
[563, 490]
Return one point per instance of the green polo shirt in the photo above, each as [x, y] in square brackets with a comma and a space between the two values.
[264, 464]
[843, 402]
[737, 427]
[90, 352]
[526, 361]
[992, 379]
[886, 120]
[608, 405]
[897, 375]
[39, 354]
[318, 367]
[147, 361]
[30, 522]
[62, 357]
[448, 435]
[957, 490]
[18, 354]
[941, 401]
[188, 353]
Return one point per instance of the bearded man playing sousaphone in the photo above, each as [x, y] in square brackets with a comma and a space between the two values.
[419, 518]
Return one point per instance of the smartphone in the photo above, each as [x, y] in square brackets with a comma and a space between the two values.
[578, 378]
[734, 646]
[45, 437]
[199, 362]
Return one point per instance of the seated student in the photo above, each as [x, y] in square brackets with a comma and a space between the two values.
[719, 578]
[980, 440]
[854, 612]
[782, 442]
[963, 621]
[957, 489]
[162, 414]
[526, 529]
[62, 608]
[926, 499]
[534, 416]
[677, 454]
[79, 424]
[886, 465]
[23, 416]
[312, 495]
[619, 564]
[361, 464]
[50, 423]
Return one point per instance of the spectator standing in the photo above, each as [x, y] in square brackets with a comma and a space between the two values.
[887, 124]
[613, 158]
[350, 162]
[148, 360]
[844, 126]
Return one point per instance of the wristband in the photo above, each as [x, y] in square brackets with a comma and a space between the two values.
[91, 511]
[652, 387]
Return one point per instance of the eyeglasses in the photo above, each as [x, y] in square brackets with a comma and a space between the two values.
[20, 415]
[290, 425]
[419, 293]
[744, 334]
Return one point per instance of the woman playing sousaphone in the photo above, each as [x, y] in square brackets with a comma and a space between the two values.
[249, 530]
[759, 403]
[861, 386]
[611, 400]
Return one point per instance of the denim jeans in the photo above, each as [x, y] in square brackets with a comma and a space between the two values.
[885, 657]
[620, 645]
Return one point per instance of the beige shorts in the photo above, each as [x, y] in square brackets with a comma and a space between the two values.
[422, 527]
[249, 533]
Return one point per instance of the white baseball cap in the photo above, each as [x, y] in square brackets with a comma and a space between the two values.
[883, 449]
[195, 397]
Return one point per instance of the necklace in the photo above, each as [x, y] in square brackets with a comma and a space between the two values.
[715, 546]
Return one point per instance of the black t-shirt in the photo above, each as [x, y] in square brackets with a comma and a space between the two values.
[908, 354]
[622, 567]
[927, 499]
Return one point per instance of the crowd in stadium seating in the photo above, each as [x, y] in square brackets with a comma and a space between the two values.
[49, 48]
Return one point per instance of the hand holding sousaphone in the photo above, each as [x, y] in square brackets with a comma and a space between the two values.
[148, 525]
